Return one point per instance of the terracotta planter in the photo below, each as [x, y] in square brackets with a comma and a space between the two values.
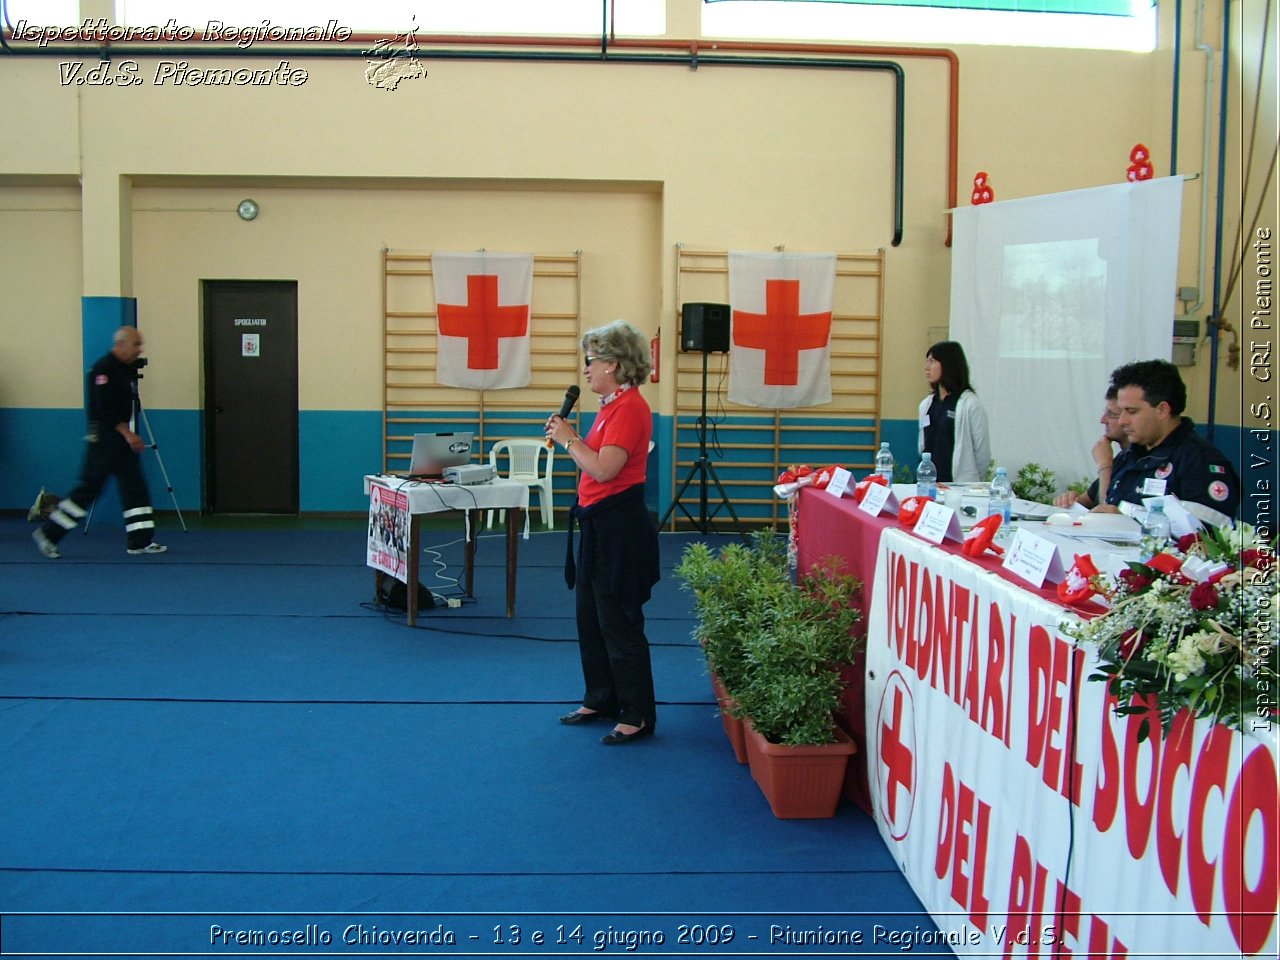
[799, 782]
[732, 725]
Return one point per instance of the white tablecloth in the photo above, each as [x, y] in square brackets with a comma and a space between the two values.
[424, 497]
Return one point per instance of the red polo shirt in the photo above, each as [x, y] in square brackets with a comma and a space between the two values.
[623, 422]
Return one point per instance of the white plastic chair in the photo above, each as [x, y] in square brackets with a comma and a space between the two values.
[524, 456]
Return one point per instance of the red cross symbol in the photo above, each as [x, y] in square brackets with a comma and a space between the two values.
[482, 321]
[896, 756]
[782, 331]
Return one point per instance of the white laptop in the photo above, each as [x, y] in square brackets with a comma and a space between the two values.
[432, 452]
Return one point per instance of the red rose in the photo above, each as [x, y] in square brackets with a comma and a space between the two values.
[1135, 581]
[1131, 643]
[1204, 597]
[1188, 541]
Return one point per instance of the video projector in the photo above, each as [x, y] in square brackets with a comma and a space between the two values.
[468, 473]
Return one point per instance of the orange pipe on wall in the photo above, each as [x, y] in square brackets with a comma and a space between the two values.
[752, 46]
[756, 46]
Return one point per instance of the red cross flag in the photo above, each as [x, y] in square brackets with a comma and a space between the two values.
[482, 310]
[781, 328]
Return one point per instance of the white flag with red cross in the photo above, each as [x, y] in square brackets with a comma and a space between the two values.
[780, 331]
[482, 314]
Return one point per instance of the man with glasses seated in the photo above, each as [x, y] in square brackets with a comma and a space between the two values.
[1104, 457]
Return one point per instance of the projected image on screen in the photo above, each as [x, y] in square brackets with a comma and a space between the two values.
[1053, 304]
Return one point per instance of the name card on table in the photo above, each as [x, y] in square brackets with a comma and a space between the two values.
[1034, 559]
[839, 483]
[879, 497]
[937, 523]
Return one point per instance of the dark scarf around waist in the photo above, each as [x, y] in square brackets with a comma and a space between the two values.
[622, 530]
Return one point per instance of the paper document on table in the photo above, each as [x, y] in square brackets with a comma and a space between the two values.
[1030, 510]
[1102, 526]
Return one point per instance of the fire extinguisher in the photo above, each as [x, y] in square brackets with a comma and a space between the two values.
[655, 351]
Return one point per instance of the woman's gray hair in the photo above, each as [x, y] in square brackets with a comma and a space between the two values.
[625, 345]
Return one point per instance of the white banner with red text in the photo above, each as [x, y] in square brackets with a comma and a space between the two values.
[1028, 818]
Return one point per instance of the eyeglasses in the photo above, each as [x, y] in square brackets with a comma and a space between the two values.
[587, 358]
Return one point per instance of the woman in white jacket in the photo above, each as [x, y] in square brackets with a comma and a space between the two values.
[953, 425]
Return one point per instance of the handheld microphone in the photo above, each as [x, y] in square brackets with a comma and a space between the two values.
[570, 398]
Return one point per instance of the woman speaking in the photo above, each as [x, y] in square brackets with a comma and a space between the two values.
[616, 562]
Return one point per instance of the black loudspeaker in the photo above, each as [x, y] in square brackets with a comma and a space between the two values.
[704, 328]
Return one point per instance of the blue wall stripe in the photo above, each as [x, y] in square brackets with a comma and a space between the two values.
[100, 318]
[336, 448]
[43, 447]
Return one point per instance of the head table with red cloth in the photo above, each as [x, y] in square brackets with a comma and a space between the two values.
[1030, 820]
[826, 526]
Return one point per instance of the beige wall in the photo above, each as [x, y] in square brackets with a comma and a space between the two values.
[40, 250]
[622, 161]
[1251, 395]
[330, 239]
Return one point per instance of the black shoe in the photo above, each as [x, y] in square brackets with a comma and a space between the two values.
[615, 737]
[577, 717]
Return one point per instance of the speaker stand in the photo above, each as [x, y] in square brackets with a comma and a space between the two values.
[703, 469]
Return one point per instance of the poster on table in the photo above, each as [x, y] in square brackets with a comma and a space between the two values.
[388, 531]
[1020, 845]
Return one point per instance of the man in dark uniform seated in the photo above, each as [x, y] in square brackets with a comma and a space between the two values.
[1166, 455]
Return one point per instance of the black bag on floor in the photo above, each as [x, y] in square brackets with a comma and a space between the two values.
[394, 595]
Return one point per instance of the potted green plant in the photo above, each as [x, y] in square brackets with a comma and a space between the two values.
[1034, 482]
[778, 647]
[733, 590]
[797, 753]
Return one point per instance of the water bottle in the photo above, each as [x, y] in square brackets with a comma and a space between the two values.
[1000, 499]
[884, 463]
[927, 477]
[1155, 531]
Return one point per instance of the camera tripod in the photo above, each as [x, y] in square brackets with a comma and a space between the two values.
[702, 469]
[140, 419]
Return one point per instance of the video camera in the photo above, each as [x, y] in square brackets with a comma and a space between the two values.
[137, 367]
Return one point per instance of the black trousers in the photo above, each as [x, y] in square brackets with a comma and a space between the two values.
[104, 458]
[614, 650]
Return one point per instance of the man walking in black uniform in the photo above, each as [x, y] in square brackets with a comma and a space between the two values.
[112, 448]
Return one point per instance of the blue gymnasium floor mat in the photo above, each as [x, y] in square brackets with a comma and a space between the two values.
[313, 573]
[227, 732]
[320, 659]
